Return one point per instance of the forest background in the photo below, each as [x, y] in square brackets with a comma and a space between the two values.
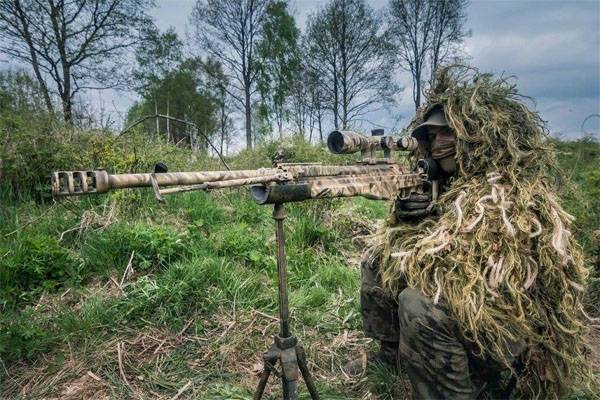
[116, 296]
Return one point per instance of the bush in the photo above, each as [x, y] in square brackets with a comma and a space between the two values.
[23, 335]
[153, 246]
[242, 241]
[33, 263]
[293, 149]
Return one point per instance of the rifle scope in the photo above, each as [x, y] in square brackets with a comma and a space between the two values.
[348, 142]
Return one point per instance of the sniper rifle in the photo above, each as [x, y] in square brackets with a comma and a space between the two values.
[372, 177]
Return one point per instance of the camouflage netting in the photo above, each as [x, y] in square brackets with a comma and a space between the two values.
[500, 255]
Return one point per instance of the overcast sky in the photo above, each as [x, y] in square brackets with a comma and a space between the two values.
[552, 47]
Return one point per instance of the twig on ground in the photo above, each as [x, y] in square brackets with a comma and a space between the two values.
[266, 315]
[187, 325]
[94, 376]
[62, 235]
[160, 346]
[120, 356]
[180, 391]
[226, 331]
[128, 270]
[113, 280]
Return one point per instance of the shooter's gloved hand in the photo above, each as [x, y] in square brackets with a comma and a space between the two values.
[413, 207]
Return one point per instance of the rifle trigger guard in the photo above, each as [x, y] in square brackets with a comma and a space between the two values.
[156, 188]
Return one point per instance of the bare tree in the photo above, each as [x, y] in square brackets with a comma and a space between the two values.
[229, 31]
[71, 45]
[216, 84]
[448, 31]
[306, 103]
[348, 49]
[300, 101]
[426, 32]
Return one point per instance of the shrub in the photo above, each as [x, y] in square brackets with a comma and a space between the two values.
[23, 335]
[152, 245]
[242, 241]
[32, 263]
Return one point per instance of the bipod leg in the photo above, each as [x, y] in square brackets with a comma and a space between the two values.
[270, 359]
[308, 380]
[285, 349]
[262, 383]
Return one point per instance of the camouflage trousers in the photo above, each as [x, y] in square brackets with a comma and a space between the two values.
[439, 364]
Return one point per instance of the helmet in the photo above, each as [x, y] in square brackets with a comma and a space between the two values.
[435, 117]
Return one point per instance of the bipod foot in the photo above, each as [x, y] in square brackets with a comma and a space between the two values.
[291, 358]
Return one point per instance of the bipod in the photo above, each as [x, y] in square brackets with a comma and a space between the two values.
[285, 349]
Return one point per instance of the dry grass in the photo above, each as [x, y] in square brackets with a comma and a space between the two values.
[155, 363]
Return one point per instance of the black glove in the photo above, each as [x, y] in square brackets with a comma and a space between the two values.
[415, 206]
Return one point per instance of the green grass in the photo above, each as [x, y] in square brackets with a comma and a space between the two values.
[199, 256]
[204, 262]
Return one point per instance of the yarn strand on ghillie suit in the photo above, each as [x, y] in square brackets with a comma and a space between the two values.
[500, 255]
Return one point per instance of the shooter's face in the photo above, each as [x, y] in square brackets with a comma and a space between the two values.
[443, 147]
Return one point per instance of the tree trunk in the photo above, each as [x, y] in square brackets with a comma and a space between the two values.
[279, 117]
[67, 107]
[248, 112]
[320, 128]
[157, 123]
[344, 74]
[222, 140]
[65, 96]
[418, 89]
[168, 123]
[335, 101]
[34, 60]
[223, 123]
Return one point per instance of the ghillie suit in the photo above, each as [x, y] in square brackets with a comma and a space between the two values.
[500, 256]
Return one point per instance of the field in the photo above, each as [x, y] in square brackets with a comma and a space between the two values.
[117, 296]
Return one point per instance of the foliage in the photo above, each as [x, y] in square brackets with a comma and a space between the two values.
[181, 93]
[151, 247]
[279, 62]
[580, 188]
[351, 56]
[19, 94]
[158, 55]
[34, 151]
[34, 263]
[71, 46]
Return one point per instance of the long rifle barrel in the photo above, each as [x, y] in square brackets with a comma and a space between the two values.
[84, 182]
